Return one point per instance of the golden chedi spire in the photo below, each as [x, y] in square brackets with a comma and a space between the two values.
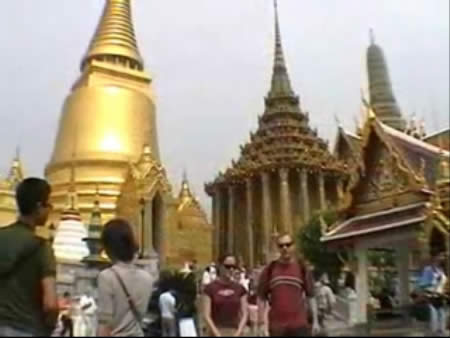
[382, 99]
[107, 117]
[115, 36]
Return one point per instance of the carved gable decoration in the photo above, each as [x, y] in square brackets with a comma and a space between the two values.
[385, 179]
[382, 172]
[148, 174]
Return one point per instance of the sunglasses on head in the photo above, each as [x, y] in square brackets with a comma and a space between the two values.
[284, 245]
[229, 266]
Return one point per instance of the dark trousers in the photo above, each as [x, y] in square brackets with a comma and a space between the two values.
[288, 332]
[67, 326]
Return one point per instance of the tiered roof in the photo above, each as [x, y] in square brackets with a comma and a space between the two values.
[284, 137]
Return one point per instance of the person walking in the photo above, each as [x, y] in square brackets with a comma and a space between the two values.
[225, 302]
[28, 299]
[326, 299]
[168, 309]
[432, 283]
[123, 289]
[66, 315]
[284, 285]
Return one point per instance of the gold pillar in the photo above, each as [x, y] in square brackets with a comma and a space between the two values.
[217, 221]
[305, 194]
[285, 208]
[230, 234]
[323, 201]
[250, 236]
[162, 234]
[267, 215]
[340, 189]
[146, 232]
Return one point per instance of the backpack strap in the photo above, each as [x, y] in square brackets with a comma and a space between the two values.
[132, 305]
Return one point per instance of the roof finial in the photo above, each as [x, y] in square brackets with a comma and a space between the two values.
[185, 178]
[371, 36]
[18, 153]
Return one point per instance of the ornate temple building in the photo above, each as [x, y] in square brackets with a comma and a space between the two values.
[397, 196]
[8, 208]
[283, 174]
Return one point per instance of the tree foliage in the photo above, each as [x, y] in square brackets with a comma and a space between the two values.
[317, 253]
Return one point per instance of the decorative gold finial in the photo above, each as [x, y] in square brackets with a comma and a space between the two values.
[371, 36]
[371, 114]
[114, 38]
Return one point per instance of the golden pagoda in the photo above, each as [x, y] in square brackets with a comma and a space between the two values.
[284, 174]
[107, 118]
[190, 236]
[8, 207]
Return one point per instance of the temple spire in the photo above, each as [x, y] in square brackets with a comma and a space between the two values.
[371, 36]
[381, 95]
[281, 85]
[114, 40]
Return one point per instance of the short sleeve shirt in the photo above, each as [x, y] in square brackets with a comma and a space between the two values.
[21, 290]
[286, 286]
[225, 302]
[113, 308]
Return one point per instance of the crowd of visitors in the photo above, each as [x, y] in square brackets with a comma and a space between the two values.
[284, 298]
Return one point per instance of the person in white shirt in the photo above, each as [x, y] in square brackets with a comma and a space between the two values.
[325, 299]
[167, 306]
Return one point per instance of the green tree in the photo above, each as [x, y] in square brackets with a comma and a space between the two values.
[316, 252]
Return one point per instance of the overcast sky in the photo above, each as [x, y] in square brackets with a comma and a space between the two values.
[211, 63]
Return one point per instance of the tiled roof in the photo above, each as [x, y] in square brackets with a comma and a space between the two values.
[415, 150]
[378, 222]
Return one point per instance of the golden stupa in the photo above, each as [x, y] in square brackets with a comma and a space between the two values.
[8, 208]
[107, 118]
[190, 235]
[107, 134]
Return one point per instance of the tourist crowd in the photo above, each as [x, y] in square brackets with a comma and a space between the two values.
[281, 299]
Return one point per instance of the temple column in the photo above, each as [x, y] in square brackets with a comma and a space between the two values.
[162, 240]
[402, 260]
[322, 199]
[304, 194]
[146, 232]
[267, 215]
[217, 221]
[250, 235]
[362, 285]
[340, 190]
[285, 208]
[230, 234]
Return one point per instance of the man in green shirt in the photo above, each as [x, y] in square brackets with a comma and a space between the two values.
[28, 300]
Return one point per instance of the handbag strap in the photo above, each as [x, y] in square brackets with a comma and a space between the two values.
[131, 303]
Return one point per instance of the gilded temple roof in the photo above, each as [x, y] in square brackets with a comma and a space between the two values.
[189, 210]
[283, 137]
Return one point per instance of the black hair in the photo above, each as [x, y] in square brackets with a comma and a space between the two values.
[30, 193]
[225, 256]
[118, 240]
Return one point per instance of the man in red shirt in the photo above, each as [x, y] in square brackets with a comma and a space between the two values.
[285, 284]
